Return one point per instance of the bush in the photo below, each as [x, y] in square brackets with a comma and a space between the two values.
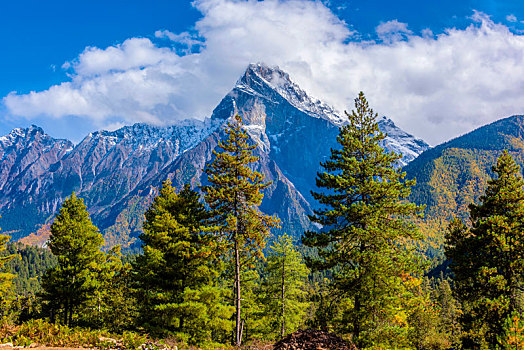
[50, 334]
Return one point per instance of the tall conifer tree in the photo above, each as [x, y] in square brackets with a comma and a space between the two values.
[175, 276]
[285, 288]
[363, 214]
[234, 195]
[76, 243]
[111, 305]
[488, 258]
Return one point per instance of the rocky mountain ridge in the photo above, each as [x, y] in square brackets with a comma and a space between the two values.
[118, 172]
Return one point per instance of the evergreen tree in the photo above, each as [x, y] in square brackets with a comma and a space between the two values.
[364, 217]
[234, 195]
[76, 243]
[488, 258]
[450, 312]
[175, 275]
[29, 267]
[285, 287]
[433, 317]
[111, 306]
[6, 278]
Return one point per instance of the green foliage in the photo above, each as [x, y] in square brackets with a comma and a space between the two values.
[21, 220]
[76, 243]
[487, 259]
[234, 195]
[285, 296]
[6, 278]
[29, 265]
[434, 316]
[364, 217]
[175, 276]
[513, 332]
[253, 317]
[111, 305]
[454, 174]
[56, 335]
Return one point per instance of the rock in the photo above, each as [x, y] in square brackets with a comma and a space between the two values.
[107, 340]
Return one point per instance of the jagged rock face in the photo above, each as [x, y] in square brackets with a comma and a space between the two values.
[107, 166]
[400, 142]
[26, 157]
[102, 169]
[281, 198]
[118, 173]
[26, 154]
[297, 131]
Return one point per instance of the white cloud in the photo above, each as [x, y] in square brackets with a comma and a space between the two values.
[511, 18]
[435, 86]
[133, 54]
[393, 31]
[427, 33]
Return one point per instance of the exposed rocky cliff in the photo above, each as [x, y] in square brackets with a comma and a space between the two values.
[118, 173]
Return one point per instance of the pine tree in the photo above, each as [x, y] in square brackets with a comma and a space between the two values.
[29, 267]
[234, 195]
[285, 287]
[450, 312]
[6, 278]
[364, 218]
[111, 305]
[175, 275]
[488, 258]
[76, 243]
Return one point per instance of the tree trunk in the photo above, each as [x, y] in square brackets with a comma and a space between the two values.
[70, 314]
[238, 339]
[66, 309]
[283, 297]
[356, 322]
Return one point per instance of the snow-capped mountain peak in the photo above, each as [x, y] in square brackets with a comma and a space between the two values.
[140, 137]
[400, 142]
[258, 77]
[117, 171]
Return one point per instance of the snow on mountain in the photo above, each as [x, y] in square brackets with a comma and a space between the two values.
[21, 135]
[400, 142]
[117, 172]
[262, 83]
[280, 82]
[26, 154]
[143, 137]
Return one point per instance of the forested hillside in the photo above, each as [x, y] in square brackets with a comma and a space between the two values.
[454, 174]
[28, 265]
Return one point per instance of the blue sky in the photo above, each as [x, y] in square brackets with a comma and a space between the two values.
[55, 48]
[39, 35]
[436, 15]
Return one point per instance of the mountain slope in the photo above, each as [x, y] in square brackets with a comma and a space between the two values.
[294, 133]
[118, 173]
[26, 155]
[454, 174]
